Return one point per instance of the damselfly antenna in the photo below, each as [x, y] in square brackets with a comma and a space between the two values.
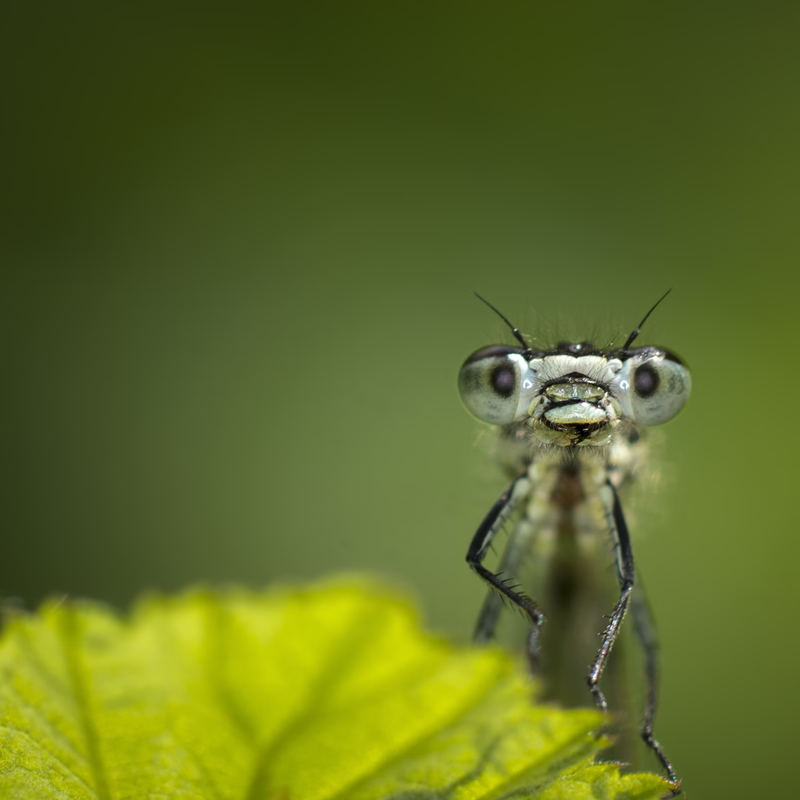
[515, 331]
[637, 329]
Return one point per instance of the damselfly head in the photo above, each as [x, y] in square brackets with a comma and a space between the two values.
[573, 395]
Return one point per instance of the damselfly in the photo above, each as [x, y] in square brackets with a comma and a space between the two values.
[569, 420]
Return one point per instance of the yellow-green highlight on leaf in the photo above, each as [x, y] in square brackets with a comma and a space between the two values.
[330, 692]
[600, 781]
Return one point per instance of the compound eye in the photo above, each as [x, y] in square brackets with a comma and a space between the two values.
[491, 383]
[659, 387]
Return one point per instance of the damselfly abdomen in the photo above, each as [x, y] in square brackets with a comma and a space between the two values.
[569, 420]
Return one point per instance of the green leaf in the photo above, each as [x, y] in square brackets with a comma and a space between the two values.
[327, 692]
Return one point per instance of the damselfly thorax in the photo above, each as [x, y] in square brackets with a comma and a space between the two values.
[558, 544]
[569, 421]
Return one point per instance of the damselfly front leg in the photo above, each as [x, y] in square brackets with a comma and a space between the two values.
[625, 572]
[481, 541]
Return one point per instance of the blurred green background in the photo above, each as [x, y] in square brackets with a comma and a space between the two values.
[238, 251]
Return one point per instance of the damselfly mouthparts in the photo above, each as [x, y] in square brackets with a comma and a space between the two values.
[569, 422]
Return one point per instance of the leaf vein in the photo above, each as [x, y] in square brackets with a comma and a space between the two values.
[40, 746]
[69, 642]
[553, 766]
[25, 705]
[347, 650]
[408, 748]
